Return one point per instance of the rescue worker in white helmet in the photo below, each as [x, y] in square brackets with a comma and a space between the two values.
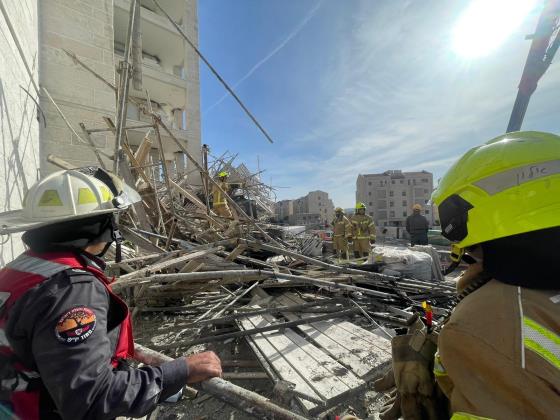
[363, 231]
[499, 352]
[342, 230]
[64, 335]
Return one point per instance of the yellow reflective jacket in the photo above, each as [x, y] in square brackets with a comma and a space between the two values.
[362, 227]
[499, 353]
[219, 198]
[341, 227]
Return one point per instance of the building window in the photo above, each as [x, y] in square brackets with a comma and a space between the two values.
[392, 213]
[369, 193]
[391, 193]
[402, 181]
[404, 213]
[404, 193]
[393, 181]
[425, 201]
[404, 203]
[369, 183]
[427, 211]
[370, 203]
[425, 180]
[425, 191]
[371, 213]
[391, 204]
[384, 223]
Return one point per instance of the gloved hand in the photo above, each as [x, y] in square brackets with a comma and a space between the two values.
[415, 394]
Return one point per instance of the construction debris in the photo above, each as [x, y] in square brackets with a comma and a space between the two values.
[313, 331]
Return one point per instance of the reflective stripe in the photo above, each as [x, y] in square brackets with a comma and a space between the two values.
[541, 341]
[439, 370]
[459, 415]
[517, 176]
[28, 264]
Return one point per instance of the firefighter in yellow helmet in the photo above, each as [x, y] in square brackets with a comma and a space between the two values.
[342, 229]
[499, 352]
[219, 203]
[363, 231]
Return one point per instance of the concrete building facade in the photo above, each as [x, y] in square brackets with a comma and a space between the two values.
[389, 196]
[19, 126]
[315, 208]
[95, 31]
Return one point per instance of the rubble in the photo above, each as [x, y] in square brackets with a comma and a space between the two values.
[313, 331]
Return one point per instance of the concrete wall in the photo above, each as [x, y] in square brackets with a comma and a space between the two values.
[19, 128]
[85, 28]
[190, 26]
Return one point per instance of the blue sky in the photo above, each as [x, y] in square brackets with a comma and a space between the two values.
[356, 86]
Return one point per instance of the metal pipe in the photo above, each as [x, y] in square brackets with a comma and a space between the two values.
[236, 396]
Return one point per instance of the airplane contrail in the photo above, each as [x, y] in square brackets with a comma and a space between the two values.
[267, 57]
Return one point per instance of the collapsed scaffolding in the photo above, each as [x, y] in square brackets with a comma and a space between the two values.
[319, 332]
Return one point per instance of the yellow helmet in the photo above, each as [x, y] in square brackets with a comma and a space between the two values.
[223, 174]
[338, 210]
[508, 186]
[360, 206]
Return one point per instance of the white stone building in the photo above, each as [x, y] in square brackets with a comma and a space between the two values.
[95, 31]
[315, 208]
[389, 196]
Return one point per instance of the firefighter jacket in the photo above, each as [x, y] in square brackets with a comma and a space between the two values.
[341, 227]
[63, 340]
[362, 227]
[499, 353]
[218, 197]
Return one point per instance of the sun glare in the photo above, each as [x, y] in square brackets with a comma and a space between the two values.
[486, 24]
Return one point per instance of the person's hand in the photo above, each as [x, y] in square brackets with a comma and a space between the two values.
[203, 366]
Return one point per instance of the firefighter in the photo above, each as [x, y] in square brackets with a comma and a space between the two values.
[64, 335]
[342, 230]
[499, 352]
[219, 203]
[363, 231]
[417, 226]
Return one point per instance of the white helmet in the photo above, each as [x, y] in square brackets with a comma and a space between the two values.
[69, 195]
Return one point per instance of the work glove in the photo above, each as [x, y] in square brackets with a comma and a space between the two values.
[415, 396]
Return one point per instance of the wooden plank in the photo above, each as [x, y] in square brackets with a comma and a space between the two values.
[329, 380]
[192, 267]
[138, 240]
[236, 252]
[281, 366]
[193, 198]
[165, 265]
[361, 333]
[351, 352]
[143, 151]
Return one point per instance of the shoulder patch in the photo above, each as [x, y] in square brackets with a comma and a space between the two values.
[76, 325]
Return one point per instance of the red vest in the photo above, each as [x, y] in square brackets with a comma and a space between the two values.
[22, 274]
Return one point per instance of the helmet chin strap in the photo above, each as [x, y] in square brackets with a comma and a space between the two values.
[117, 238]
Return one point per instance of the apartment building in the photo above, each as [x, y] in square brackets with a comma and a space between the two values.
[315, 208]
[95, 31]
[389, 196]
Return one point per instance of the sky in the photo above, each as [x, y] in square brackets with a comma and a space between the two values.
[349, 87]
